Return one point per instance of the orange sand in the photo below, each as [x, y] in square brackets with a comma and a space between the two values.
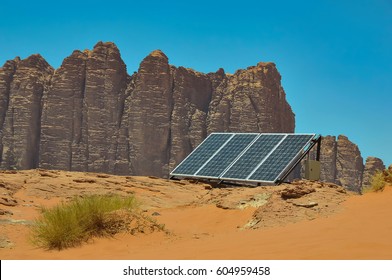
[363, 230]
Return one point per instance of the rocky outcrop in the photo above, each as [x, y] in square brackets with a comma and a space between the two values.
[296, 191]
[22, 86]
[349, 164]
[90, 115]
[251, 100]
[82, 111]
[191, 98]
[62, 129]
[372, 165]
[149, 114]
[342, 163]
[328, 155]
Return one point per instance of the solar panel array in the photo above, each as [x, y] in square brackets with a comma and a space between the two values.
[255, 157]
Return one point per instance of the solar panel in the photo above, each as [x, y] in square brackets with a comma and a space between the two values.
[280, 158]
[216, 165]
[191, 164]
[254, 157]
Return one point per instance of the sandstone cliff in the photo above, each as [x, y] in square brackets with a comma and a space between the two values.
[342, 163]
[349, 164]
[328, 155]
[372, 165]
[90, 115]
[22, 86]
[251, 100]
[82, 111]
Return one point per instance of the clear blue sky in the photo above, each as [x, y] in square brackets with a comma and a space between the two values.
[335, 57]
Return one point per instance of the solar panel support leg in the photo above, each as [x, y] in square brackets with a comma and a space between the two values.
[174, 178]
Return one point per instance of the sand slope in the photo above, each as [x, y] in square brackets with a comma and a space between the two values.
[205, 222]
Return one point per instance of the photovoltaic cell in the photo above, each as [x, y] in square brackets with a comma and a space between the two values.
[245, 156]
[243, 167]
[201, 154]
[226, 156]
[280, 158]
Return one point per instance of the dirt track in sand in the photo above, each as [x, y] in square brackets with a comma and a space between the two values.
[205, 222]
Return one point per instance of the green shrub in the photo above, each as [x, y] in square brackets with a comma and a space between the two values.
[377, 182]
[388, 175]
[70, 224]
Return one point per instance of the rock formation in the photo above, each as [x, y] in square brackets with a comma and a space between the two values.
[251, 100]
[372, 165]
[82, 111]
[328, 159]
[22, 86]
[90, 115]
[342, 163]
[149, 113]
[349, 164]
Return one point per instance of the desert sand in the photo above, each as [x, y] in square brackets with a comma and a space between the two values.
[304, 220]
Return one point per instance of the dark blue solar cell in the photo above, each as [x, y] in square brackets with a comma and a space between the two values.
[242, 168]
[280, 158]
[201, 154]
[227, 155]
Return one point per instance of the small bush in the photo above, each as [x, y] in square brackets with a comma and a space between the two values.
[70, 224]
[388, 175]
[377, 182]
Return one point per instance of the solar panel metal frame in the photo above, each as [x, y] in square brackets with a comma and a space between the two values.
[282, 175]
